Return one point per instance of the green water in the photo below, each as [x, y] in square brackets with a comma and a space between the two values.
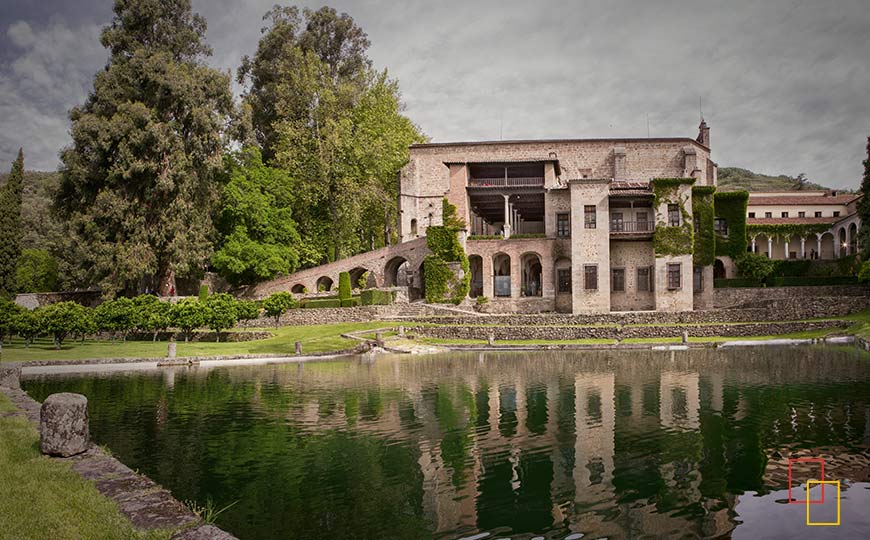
[686, 444]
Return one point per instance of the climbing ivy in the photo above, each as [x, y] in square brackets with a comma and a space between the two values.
[787, 230]
[441, 283]
[731, 206]
[669, 240]
[705, 239]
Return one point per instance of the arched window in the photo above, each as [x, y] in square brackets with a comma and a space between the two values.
[414, 227]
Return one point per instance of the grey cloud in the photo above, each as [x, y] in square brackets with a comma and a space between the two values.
[783, 82]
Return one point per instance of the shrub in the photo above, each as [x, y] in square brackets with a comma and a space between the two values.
[64, 318]
[363, 280]
[26, 325]
[481, 300]
[248, 310]
[864, 273]
[374, 297]
[220, 313]
[322, 303]
[203, 292]
[149, 314]
[344, 291]
[441, 283]
[115, 316]
[37, 271]
[187, 315]
[278, 304]
[754, 266]
[8, 311]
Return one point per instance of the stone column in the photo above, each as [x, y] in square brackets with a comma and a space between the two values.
[803, 248]
[818, 245]
[753, 244]
[487, 272]
[516, 276]
[786, 248]
[769, 247]
[507, 217]
[848, 242]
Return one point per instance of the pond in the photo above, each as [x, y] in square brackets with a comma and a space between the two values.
[639, 444]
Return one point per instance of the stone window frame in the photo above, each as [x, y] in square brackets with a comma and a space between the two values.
[563, 280]
[802, 214]
[836, 213]
[696, 220]
[720, 226]
[566, 231]
[768, 215]
[675, 276]
[613, 280]
[590, 277]
[752, 214]
[590, 216]
[644, 283]
[674, 217]
[784, 214]
[818, 214]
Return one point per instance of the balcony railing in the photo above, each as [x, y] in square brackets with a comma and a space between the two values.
[506, 182]
[632, 227]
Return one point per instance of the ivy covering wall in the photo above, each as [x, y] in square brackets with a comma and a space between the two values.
[705, 238]
[787, 230]
[668, 240]
[731, 206]
[441, 283]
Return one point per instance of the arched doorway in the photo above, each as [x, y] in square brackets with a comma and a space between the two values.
[298, 288]
[827, 250]
[361, 278]
[853, 238]
[475, 263]
[396, 272]
[719, 269]
[531, 274]
[501, 275]
[324, 283]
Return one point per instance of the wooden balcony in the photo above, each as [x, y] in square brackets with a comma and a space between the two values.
[502, 182]
[632, 228]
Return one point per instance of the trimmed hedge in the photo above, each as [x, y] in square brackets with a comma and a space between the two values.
[330, 302]
[344, 289]
[374, 297]
[791, 281]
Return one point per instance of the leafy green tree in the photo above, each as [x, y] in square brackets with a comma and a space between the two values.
[188, 315]
[864, 209]
[65, 318]
[260, 240]
[116, 316]
[277, 304]
[864, 272]
[754, 266]
[247, 311]
[344, 289]
[26, 325]
[8, 311]
[10, 225]
[138, 187]
[150, 314]
[37, 271]
[220, 313]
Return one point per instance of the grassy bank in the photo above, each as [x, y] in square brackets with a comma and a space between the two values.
[41, 498]
[319, 338]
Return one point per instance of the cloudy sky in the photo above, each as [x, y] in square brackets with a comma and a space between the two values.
[785, 84]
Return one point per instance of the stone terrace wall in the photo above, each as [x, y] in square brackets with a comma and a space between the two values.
[620, 332]
[35, 300]
[311, 316]
[739, 296]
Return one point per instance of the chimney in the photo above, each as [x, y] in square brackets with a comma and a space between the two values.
[704, 134]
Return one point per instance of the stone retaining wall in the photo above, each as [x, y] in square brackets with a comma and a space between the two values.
[739, 296]
[559, 333]
[311, 316]
[226, 337]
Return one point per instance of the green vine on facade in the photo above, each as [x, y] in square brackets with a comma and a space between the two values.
[787, 230]
[441, 283]
[731, 206]
[705, 238]
[672, 240]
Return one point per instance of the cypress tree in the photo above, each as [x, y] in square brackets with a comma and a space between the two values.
[864, 209]
[10, 226]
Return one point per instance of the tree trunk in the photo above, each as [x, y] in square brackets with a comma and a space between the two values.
[166, 281]
[154, 338]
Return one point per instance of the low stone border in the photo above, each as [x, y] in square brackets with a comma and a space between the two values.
[143, 502]
[558, 333]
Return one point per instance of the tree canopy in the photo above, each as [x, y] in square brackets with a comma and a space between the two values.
[864, 208]
[138, 186]
[10, 226]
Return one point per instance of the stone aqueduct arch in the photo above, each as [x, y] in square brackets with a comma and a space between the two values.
[383, 265]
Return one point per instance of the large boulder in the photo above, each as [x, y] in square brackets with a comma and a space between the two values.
[10, 375]
[63, 425]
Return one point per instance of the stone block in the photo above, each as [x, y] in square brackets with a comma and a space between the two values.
[10, 375]
[63, 425]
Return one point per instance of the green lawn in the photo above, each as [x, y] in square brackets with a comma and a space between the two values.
[319, 338]
[41, 498]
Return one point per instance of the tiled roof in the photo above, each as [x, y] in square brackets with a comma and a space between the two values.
[795, 200]
[792, 220]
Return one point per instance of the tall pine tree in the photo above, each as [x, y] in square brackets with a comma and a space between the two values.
[864, 209]
[10, 226]
[138, 186]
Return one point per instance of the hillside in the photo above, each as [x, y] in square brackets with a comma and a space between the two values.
[734, 178]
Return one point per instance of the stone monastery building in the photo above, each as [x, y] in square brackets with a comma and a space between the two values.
[568, 225]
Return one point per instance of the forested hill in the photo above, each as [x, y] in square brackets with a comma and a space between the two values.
[733, 178]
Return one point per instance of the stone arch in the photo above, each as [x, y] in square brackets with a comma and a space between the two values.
[297, 289]
[324, 283]
[827, 250]
[475, 263]
[396, 272]
[531, 273]
[761, 245]
[794, 246]
[357, 273]
[719, 271]
[501, 274]
[853, 238]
